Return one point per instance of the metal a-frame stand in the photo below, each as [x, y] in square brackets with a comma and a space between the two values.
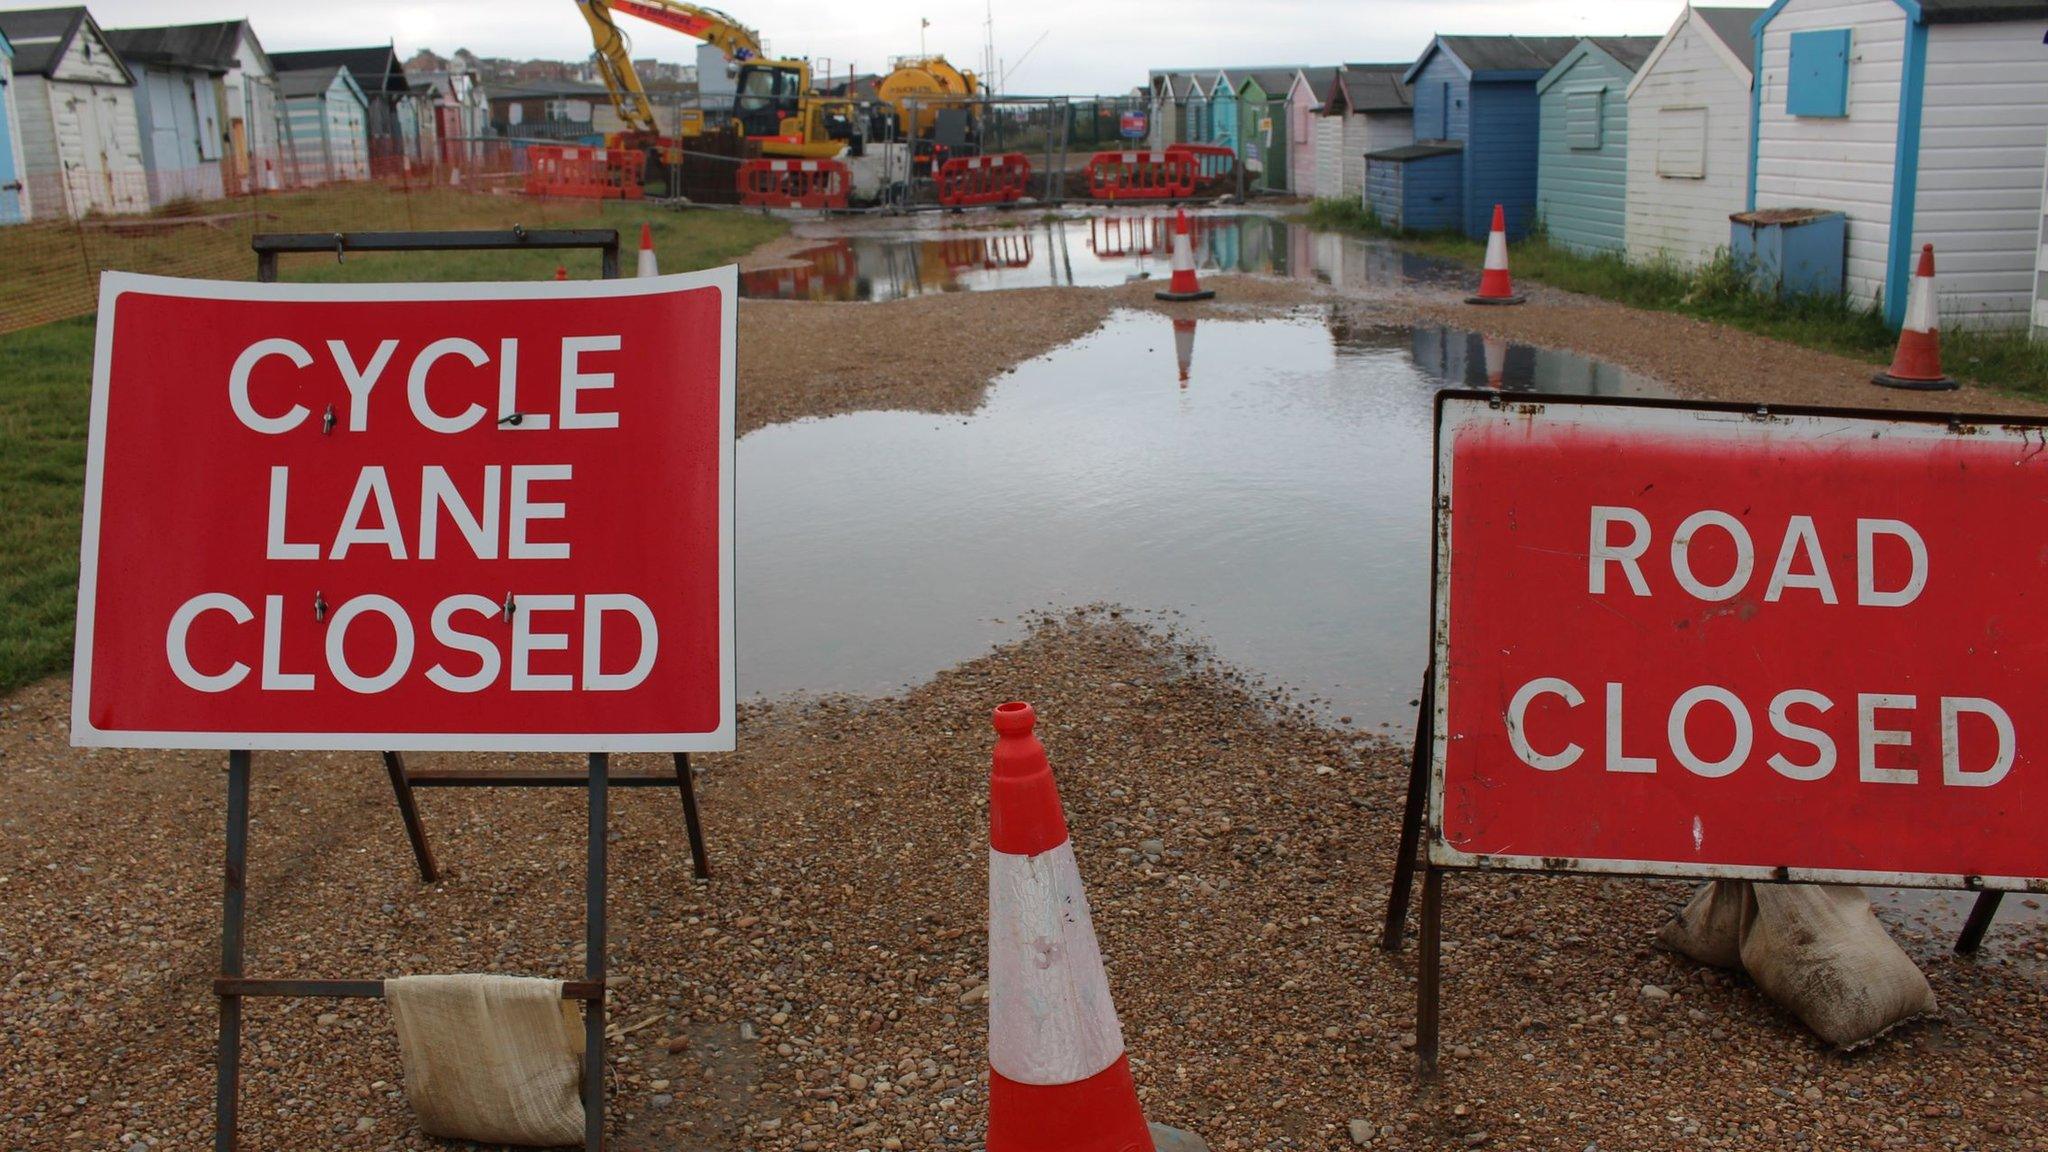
[232, 985]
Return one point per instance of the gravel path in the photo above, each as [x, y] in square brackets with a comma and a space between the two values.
[822, 992]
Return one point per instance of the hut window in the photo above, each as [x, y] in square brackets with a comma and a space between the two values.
[1584, 113]
[1682, 143]
[1817, 83]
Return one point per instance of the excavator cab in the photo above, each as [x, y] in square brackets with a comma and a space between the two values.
[767, 95]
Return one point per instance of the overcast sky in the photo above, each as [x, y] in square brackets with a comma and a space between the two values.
[1089, 46]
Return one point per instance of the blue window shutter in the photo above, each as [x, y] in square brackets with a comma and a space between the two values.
[1818, 83]
[1585, 114]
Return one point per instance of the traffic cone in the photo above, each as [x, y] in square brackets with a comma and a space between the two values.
[1184, 346]
[1495, 286]
[1917, 363]
[1496, 354]
[647, 267]
[561, 271]
[1059, 1080]
[1184, 285]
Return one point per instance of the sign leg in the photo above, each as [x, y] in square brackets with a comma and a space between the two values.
[1978, 923]
[698, 862]
[1411, 816]
[1429, 974]
[594, 960]
[409, 811]
[234, 878]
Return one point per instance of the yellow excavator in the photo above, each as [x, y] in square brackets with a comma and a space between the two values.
[774, 108]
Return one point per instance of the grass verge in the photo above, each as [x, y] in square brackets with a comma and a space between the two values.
[45, 383]
[2004, 360]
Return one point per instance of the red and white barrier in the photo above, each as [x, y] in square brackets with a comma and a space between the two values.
[1059, 1080]
[794, 183]
[1185, 285]
[966, 181]
[1141, 175]
[1495, 285]
[1917, 363]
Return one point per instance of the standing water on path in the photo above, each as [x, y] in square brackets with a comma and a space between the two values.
[1276, 500]
[1094, 252]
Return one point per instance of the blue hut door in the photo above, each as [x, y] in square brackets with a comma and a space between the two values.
[10, 180]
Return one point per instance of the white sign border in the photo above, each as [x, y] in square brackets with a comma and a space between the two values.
[1459, 410]
[114, 285]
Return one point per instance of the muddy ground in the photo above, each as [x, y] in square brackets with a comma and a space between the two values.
[823, 990]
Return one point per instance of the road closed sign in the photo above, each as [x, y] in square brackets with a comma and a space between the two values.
[1707, 641]
[447, 516]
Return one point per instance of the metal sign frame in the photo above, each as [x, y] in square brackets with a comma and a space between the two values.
[1422, 811]
[233, 984]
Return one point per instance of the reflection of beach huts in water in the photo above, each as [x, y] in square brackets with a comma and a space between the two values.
[1462, 359]
[1921, 122]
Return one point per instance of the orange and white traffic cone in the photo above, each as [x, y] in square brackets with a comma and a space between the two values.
[1059, 1080]
[1495, 286]
[1184, 346]
[561, 271]
[647, 267]
[1917, 363]
[1185, 285]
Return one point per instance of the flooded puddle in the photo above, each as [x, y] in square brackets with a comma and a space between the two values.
[1275, 499]
[1088, 253]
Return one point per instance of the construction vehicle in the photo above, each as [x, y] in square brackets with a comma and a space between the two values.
[917, 88]
[775, 110]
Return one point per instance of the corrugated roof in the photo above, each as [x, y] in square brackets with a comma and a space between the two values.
[1731, 26]
[1510, 53]
[39, 36]
[1375, 88]
[306, 81]
[1628, 51]
[1981, 11]
[209, 46]
[375, 69]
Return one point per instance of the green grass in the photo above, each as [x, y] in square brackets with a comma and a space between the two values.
[45, 383]
[2003, 360]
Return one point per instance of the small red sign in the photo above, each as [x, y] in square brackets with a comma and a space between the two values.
[450, 516]
[1700, 641]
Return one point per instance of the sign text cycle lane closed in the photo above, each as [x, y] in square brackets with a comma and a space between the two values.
[392, 516]
[1697, 641]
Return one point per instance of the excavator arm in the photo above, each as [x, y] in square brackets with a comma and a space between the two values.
[615, 54]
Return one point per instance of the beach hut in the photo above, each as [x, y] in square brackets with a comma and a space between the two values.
[1165, 109]
[1476, 94]
[1223, 114]
[401, 118]
[1367, 109]
[1418, 187]
[326, 125]
[1688, 130]
[75, 101]
[1582, 154]
[14, 205]
[1262, 125]
[255, 114]
[1304, 100]
[1194, 111]
[179, 104]
[1921, 121]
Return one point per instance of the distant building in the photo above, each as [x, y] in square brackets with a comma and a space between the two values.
[401, 117]
[80, 145]
[462, 114]
[548, 110]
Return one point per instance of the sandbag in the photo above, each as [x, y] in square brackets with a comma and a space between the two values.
[1817, 950]
[494, 1059]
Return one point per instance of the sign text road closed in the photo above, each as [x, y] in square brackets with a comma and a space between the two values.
[1701, 641]
[465, 516]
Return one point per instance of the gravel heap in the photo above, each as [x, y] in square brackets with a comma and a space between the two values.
[825, 989]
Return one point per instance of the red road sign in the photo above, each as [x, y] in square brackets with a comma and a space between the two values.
[451, 516]
[1697, 641]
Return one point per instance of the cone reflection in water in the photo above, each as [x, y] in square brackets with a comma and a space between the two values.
[1495, 285]
[1184, 346]
[1917, 363]
[1059, 1079]
[1496, 352]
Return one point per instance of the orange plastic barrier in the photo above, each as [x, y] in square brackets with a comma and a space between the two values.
[1141, 175]
[594, 173]
[794, 183]
[964, 181]
[1211, 160]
